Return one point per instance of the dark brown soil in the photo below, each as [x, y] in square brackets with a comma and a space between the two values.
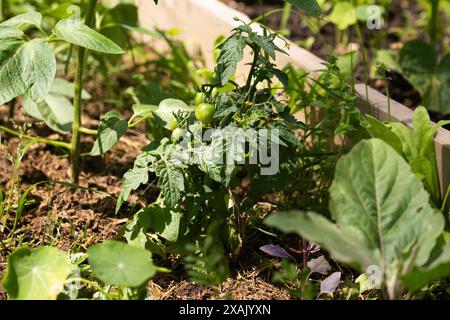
[74, 219]
[247, 287]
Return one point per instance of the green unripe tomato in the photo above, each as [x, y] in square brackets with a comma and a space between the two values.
[177, 134]
[335, 81]
[199, 98]
[173, 124]
[214, 92]
[205, 112]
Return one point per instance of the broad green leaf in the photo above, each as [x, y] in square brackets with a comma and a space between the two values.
[168, 107]
[382, 213]
[120, 264]
[343, 15]
[231, 53]
[143, 110]
[111, 129]
[9, 45]
[438, 97]
[424, 147]
[418, 61]
[9, 32]
[378, 130]
[405, 136]
[37, 274]
[32, 18]
[364, 283]
[310, 7]
[62, 87]
[417, 146]
[374, 190]
[56, 111]
[438, 267]
[77, 33]
[29, 69]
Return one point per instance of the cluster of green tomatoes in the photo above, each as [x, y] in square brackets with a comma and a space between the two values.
[204, 112]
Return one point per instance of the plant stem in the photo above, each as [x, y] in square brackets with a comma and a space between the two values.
[256, 52]
[285, 17]
[2, 10]
[58, 144]
[434, 22]
[75, 155]
[88, 131]
[365, 66]
[91, 284]
[386, 86]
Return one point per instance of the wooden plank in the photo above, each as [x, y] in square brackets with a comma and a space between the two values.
[403, 114]
[201, 22]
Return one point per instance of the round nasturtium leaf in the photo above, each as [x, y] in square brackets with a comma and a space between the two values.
[37, 274]
[117, 263]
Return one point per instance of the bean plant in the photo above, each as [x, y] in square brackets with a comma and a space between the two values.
[28, 70]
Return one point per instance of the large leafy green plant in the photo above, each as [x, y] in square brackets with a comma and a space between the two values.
[28, 68]
[199, 193]
[47, 273]
[383, 220]
[418, 61]
[416, 145]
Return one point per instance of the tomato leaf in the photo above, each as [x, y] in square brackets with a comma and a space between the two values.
[231, 53]
[135, 177]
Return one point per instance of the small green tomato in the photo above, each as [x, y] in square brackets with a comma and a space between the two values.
[173, 124]
[199, 98]
[214, 93]
[177, 134]
[205, 112]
